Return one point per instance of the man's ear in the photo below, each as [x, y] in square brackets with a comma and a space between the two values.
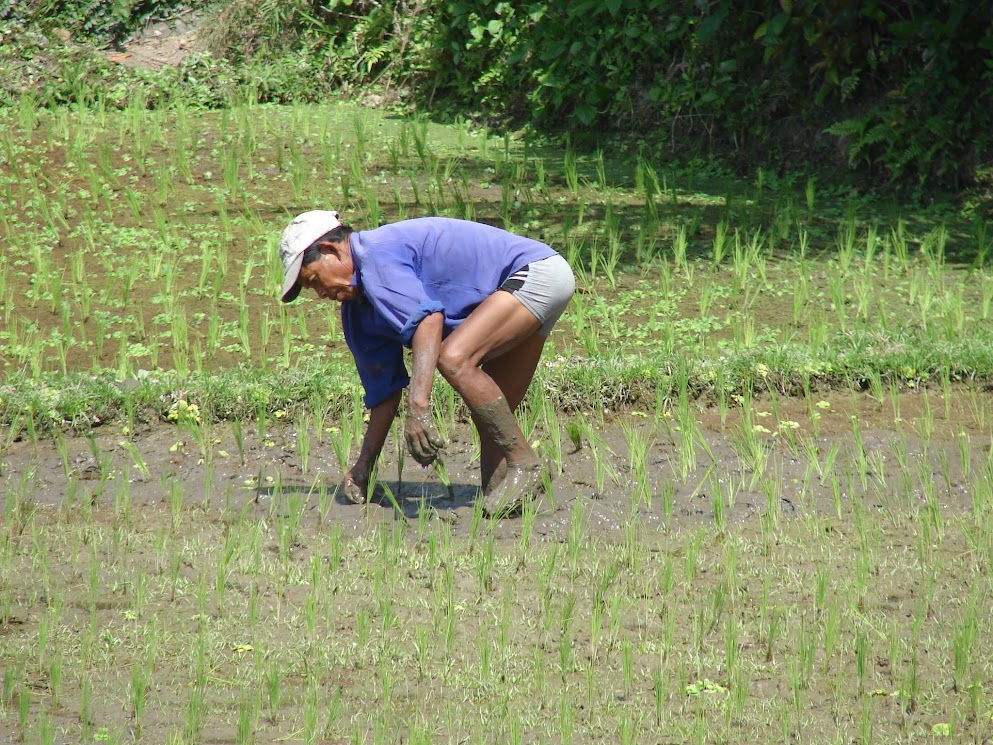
[329, 248]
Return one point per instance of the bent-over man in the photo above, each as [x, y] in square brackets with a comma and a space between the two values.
[473, 301]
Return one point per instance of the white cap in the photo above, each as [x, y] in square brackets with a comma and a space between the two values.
[297, 238]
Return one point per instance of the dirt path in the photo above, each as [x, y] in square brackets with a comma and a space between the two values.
[163, 43]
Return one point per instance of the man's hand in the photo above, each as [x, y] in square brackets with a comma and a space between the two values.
[357, 483]
[422, 439]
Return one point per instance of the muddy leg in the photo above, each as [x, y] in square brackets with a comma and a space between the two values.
[492, 464]
[522, 476]
[512, 372]
[501, 328]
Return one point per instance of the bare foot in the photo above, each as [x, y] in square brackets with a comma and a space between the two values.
[520, 485]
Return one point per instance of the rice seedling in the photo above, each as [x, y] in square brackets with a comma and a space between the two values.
[195, 713]
[576, 538]
[962, 647]
[639, 443]
[139, 694]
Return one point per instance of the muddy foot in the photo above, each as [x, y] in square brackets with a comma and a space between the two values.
[519, 486]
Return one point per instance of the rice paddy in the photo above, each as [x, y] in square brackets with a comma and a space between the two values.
[767, 411]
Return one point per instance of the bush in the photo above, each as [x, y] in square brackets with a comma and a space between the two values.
[93, 20]
[900, 93]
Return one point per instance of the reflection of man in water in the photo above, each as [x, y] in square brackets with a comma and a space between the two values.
[471, 300]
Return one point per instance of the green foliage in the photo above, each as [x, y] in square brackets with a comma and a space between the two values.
[978, 202]
[63, 74]
[97, 20]
[911, 81]
[580, 64]
[899, 92]
[337, 44]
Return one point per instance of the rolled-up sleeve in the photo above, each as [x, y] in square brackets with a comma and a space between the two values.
[391, 283]
[421, 312]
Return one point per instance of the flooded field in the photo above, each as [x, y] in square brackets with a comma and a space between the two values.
[767, 412]
[822, 581]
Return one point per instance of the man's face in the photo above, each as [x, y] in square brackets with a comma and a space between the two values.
[330, 276]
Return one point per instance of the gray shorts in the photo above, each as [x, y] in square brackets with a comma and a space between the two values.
[544, 288]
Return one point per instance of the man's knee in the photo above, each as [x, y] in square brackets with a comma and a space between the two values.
[453, 361]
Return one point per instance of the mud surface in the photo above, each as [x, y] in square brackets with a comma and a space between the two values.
[667, 611]
[801, 459]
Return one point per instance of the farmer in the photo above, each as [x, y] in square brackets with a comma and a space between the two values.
[471, 300]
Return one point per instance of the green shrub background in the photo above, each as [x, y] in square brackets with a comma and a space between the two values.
[899, 93]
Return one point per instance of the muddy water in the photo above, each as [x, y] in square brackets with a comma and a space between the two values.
[887, 455]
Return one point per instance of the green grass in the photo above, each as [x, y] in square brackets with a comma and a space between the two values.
[143, 242]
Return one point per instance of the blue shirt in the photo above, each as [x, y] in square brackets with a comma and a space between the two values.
[411, 269]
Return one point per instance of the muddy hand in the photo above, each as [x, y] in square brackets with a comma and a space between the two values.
[357, 484]
[422, 439]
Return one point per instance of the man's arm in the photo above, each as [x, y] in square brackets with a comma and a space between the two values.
[380, 418]
[425, 349]
[422, 440]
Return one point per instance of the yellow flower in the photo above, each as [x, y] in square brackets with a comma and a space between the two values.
[183, 409]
